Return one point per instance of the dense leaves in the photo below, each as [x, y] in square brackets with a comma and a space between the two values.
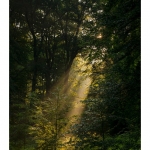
[46, 37]
[112, 116]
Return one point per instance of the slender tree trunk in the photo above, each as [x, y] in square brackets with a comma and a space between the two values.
[31, 28]
[48, 82]
[34, 78]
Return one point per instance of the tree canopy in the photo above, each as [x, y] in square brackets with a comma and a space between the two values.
[54, 47]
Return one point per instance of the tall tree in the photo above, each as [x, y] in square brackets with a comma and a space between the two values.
[114, 107]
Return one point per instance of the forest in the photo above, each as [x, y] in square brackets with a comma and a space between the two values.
[75, 75]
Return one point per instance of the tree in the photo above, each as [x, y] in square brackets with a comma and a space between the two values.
[113, 107]
[45, 39]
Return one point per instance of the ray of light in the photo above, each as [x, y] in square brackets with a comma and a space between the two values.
[80, 81]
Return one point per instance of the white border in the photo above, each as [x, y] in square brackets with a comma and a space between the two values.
[4, 75]
[145, 76]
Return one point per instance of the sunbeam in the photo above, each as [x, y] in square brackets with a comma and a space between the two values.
[67, 98]
[79, 81]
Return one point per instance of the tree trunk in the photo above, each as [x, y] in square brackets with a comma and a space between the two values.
[35, 66]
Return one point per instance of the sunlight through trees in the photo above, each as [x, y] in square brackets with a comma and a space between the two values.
[75, 75]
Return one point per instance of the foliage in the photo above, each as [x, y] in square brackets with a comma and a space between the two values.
[47, 38]
[111, 119]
